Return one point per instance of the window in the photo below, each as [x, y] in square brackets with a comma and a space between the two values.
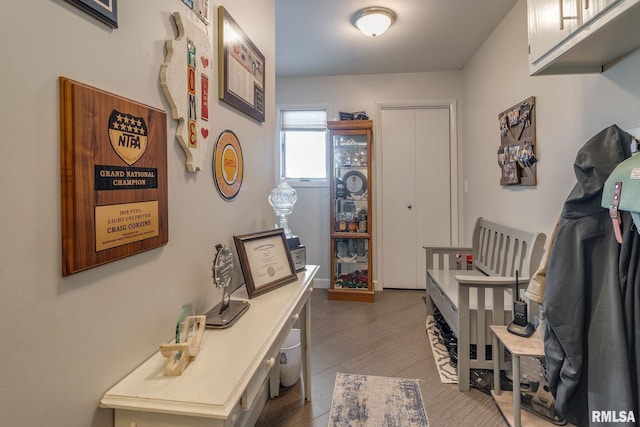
[303, 146]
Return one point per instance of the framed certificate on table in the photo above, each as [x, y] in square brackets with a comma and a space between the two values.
[265, 261]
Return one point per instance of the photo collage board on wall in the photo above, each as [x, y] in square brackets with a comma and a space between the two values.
[517, 152]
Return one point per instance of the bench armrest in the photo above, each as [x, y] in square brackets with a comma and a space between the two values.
[448, 248]
[444, 257]
[490, 280]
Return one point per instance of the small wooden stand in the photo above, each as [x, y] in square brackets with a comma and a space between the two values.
[181, 354]
[509, 402]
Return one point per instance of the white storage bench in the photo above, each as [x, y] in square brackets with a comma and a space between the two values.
[471, 300]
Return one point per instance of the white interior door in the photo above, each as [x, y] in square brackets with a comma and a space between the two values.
[416, 191]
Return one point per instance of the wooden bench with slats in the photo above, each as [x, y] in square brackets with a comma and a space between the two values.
[471, 300]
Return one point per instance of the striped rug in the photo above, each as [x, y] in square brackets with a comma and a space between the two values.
[448, 373]
[366, 400]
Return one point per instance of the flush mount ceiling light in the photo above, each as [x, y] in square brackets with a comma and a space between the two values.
[373, 21]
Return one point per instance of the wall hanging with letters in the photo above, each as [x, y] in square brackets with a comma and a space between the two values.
[113, 167]
[184, 77]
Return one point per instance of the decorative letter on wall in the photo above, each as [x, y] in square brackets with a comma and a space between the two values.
[184, 77]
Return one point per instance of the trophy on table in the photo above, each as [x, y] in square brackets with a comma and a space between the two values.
[228, 311]
[282, 198]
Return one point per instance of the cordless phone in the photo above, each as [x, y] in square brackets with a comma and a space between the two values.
[520, 325]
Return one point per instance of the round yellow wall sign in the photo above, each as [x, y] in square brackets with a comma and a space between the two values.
[228, 165]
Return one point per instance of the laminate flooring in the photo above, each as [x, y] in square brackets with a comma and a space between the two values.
[384, 338]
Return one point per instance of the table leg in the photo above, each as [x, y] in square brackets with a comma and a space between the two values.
[496, 364]
[516, 391]
[305, 339]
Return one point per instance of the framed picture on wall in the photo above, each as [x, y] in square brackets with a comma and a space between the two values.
[104, 10]
[241, 68]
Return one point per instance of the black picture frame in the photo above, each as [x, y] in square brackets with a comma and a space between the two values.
[265, 260]
[239, 61]
[103, 10]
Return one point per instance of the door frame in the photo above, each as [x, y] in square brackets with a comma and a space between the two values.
[454, 189]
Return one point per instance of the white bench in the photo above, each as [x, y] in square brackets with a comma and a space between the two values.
[471, 300]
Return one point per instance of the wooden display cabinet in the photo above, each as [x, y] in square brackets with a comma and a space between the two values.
[351, 190]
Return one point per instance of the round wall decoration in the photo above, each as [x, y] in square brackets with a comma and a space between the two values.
[228, 165]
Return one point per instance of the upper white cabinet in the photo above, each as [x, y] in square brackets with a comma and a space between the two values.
[580, 36]
[591, 8]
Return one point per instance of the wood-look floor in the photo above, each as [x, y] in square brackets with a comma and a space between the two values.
[384, 338]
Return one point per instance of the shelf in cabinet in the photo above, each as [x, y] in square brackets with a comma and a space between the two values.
[361, 261]
[365, 200]
[352, 144]
[362, 167]
[347, 235]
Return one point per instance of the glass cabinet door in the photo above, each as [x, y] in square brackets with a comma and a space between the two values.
[351, 263]
[351, 181]
[351, 230]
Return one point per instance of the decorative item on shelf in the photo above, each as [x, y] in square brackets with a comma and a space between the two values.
[352, 226]
[359, 115]
[341, 222]
[341, 189]
[228, 311]
[362, 220]
[356, 183]
[282, 199]
[357, 279]
[189, 332]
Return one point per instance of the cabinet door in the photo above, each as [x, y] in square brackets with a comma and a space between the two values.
[591, 8]
[550, 22]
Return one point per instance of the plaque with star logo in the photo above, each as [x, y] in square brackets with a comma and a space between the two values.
[113, 164]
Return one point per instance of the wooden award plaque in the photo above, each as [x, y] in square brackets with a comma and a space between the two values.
[113, 167]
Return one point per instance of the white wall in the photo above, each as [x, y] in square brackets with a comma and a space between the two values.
[570, 109]
[68, 340]
[310, 218]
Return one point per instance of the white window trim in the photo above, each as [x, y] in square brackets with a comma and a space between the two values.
[316, 183]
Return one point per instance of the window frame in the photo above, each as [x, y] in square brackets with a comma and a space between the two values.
[279, 146]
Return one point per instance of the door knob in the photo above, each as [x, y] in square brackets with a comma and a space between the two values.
[409, 206]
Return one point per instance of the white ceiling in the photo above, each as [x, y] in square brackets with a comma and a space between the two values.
[316, 37]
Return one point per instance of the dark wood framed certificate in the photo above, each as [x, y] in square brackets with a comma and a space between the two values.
[265, 261]
[113, 166]
[240, 68]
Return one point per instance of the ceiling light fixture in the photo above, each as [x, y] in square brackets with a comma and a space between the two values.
[373, 21]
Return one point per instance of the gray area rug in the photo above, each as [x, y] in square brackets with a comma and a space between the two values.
[448, 373]
[366, 400]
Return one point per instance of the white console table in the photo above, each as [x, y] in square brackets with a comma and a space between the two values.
[235, 372]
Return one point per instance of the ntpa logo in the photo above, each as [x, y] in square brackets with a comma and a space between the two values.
[613, 417]
[128, 136]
